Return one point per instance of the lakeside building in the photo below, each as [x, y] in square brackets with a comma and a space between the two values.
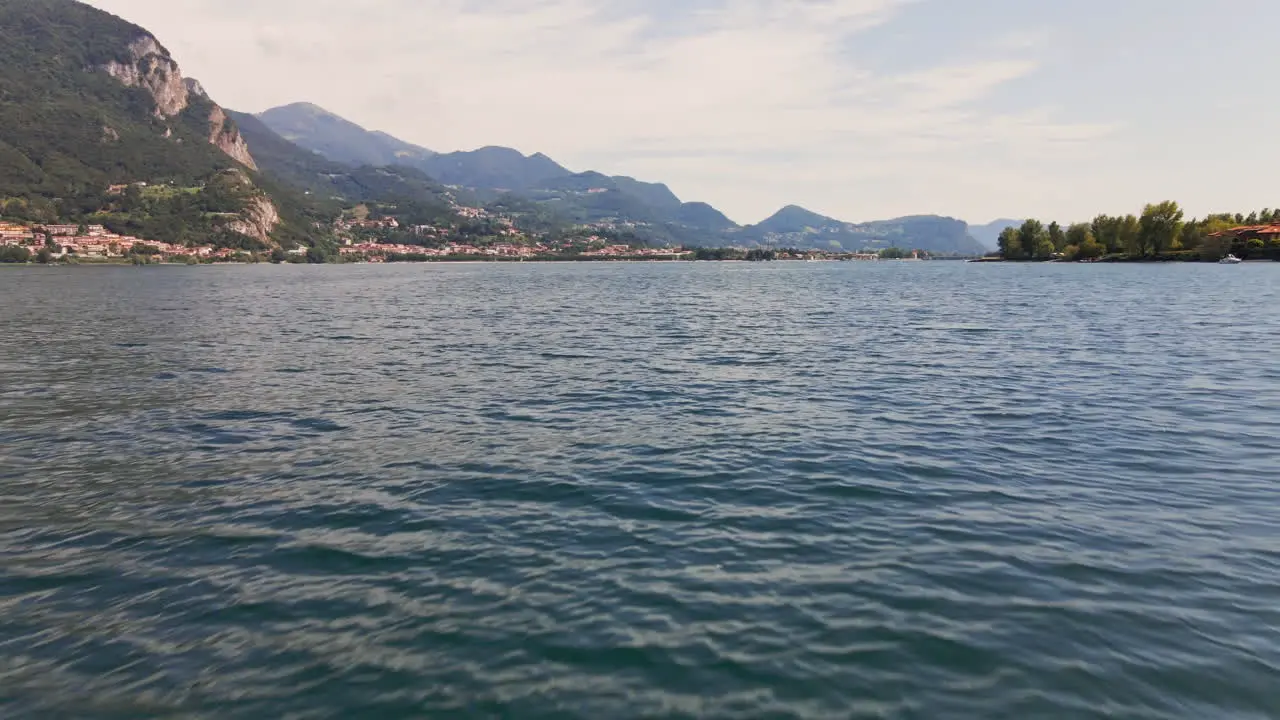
[14, 234]
[96, 241]
[1268, 234]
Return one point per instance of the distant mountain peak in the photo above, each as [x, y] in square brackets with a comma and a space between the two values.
[793, 218]
[319, 130]
[306, 107]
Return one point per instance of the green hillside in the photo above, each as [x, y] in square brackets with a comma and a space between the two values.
[332, 186]
[89, 101]
[66, 132]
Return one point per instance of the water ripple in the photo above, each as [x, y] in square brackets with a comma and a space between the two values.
[640, 490]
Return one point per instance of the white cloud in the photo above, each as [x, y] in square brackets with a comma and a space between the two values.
[747, 104]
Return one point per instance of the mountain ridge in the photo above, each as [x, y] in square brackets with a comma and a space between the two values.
[312, 127]
[796, 226]
[593, 197]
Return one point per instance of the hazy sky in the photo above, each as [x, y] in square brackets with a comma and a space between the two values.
[861, 109]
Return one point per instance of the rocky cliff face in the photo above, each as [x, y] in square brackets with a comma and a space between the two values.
[195, 89]
[150, 67]
[258, 216]
[257, 220]
[224, 134]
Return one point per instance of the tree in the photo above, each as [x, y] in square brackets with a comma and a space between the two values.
[1029, 234]
[1106, 230]
[1078, 233]
[44, 256]
[1044, 247]
[1080, 236]
[14, 254]
[1010, 246]
[1192, 236]
[1214, 247]
[316, 256]
[1129, 231]
[1159, 227]
[1035, 241]
[1057, 237]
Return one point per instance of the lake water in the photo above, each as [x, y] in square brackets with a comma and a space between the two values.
[804, 490]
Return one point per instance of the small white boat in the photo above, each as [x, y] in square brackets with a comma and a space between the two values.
[1230, 260]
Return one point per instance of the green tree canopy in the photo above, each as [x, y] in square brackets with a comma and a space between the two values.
[1159, 227]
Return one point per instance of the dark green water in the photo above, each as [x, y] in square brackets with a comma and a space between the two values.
[927, 490]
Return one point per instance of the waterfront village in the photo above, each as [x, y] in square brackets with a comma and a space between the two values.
[96, 242]
[365, 239]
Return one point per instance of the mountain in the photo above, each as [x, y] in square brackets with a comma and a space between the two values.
[794, 219]
[535, 186]
[931, 233]
[334, 186]
[703, 216]
[495, 169]
[89, 101]
[492, 168]
[336, 138]
[794, 226]
[284, 160]
[654, 194]
[492, 173]
[989, 234]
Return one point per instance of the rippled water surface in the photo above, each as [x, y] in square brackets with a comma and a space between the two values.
[928, 490]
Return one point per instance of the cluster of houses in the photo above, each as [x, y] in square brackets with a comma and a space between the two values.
[349, 224]
[377, 252]
[626, 251]
[14, 234]
[470, 213]
[95, 241]
[356, 242]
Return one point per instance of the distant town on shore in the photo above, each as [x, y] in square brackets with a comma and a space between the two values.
[362, 243]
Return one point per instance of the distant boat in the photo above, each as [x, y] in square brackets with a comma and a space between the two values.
[1230, 260]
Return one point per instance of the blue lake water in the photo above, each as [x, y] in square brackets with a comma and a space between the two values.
[804, 490]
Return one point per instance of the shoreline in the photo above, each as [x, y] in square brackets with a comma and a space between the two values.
[1125, 261]
[122, 262]
[509, 260]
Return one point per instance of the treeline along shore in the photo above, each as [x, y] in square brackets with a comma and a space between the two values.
[1161, 233]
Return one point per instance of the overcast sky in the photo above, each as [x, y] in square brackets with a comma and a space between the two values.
[860, 109]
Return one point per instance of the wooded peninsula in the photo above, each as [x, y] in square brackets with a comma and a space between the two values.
[1160, 233]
